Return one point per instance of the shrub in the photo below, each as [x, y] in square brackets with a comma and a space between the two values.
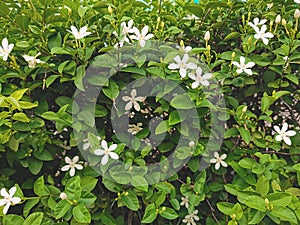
[167, 112]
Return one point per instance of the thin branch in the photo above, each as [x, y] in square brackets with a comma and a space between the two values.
[212, 211]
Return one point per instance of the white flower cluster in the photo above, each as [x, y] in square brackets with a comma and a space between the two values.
[126, 29]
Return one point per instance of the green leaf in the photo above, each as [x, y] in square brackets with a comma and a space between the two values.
[21, 117]
[255, 202]
[88, 183]
[168, 213]
[29, 205]
[4, 9]
[34, 219]
[225, 207]
[237, 210]
[73, 188]
[293, 78]
[12, 219]
[112, 91]
[257, 217]
[17, 95]
[284, 214]
[39, 186]
[35, 165]
[81, 214]
[182, 102]
[174, 118]
[263, 185]
[60, 51]
[162, 127]
[55, 41]
[130, 200]
[246, 135]
[232, 35]
[140, 183]
[22, 21]
[247, 163]
[61, 208]
[150, 214]
[279, 199]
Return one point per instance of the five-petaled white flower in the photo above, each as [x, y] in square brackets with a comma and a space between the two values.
[81, 33]
[191, 218]
[107, 152]
[141, 37]
[185, 202]
[218, 160]
[191, 17]
[284, 134]
[242, 67]
[133, 100]
[73, 164]
[126, 29]
[32, 60]
[9, 198]
[198, 79]
[182, 64]
[261, 34]
[5, 49]
[257, 22]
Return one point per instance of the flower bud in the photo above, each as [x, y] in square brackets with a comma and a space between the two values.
[297, 14]
[109, 9]
[278, 19]
[207, 36]
[63, 196]
[191, 144]
[283, 22]
[244, 109]
[232, 55]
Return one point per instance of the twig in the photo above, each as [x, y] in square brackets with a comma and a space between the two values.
[212, 211]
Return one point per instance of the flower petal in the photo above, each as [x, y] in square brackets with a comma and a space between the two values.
[114, 155]
[224, 164]
[104, 160]
[72, 172]
[128, 106]
[78, 166]
[75, 159]
[287, 140]
[173, 66]
[65, 168]
[195, 84]
[217, 166]
[15, 200]
[6, 207]
[278, 138]
[290, 133]
[284, 127]
[12, 191]
[113, 147]
[99, 152]
[277, 129]
[4, 193]
[68, 160]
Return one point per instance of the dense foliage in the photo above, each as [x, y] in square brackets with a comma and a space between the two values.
[166, 112]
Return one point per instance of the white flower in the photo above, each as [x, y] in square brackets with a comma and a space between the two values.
[183, 48]
[5, 49]
[284, 134]
[207, 36]
[134, 129]
[297, 14]
[278, 19]
[141, 37]
[261, 34]
[257, 22]
[185, 202]
[199, 79]
[32, 60]
[81, 33]
[297, 1]
[182, 65]
[269, 6]
[86, 144]
[242, 67]
[107, 152]
[9, 198]
[191, 218]
[126, 29]
[132, 101]
[73, 165]
[63, 196]
[285, 58]
[218, 160]
[191, 17]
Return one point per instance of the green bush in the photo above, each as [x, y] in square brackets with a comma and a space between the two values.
[166, 112]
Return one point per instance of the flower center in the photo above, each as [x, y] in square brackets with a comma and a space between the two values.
[106, 151]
